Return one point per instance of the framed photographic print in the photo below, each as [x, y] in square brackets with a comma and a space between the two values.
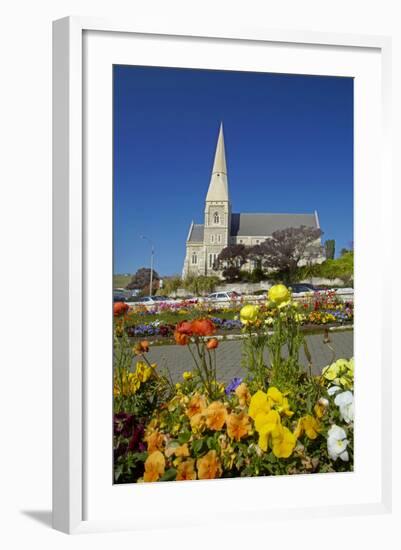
[217, 197]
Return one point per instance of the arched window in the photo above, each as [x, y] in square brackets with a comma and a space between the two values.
[216, 218]
[194, 258]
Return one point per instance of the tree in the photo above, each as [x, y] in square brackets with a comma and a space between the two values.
[230, 260]
[286, 247]
[171, 285]
[330, 249]
[200, 284]
[141, 279]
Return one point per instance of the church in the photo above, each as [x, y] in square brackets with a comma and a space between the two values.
[222, 227]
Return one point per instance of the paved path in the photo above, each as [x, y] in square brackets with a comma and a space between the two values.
[178, 359]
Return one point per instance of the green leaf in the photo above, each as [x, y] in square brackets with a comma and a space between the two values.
[169, 475]
[198, 446]
[184, 437]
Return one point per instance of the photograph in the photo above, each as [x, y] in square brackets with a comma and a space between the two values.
[233, 274]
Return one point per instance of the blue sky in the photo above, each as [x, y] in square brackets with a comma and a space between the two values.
[289, 148]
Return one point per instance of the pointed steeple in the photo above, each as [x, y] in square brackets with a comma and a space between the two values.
[219, 165]
[218, 187]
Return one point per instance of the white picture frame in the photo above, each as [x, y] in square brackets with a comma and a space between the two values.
[70, 259]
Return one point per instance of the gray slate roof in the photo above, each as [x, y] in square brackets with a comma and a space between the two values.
[258, 225]
[196, 235]
[265, 224]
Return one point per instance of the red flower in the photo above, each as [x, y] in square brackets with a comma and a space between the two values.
[181, 338]
[120, 308]
[185, 327]
[212, 344]
[203, 327]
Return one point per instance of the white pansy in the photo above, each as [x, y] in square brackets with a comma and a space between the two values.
[337, 443]
[333, 389]
[345, 402]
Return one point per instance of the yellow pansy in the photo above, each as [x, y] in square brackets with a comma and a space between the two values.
[265, 424]
[309, 425]
[283, 441]
[277, 400]
[259, 404]
[187, 375]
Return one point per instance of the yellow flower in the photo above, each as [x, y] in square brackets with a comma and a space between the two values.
[243, 394]
[216, 415]
[238, 425]
[143, 372]
[186, 470]
[277, 400]
[309, 425]
[320, 408]
[154, 466]
[249, 314]
[209, 466]
[187, 375]
[279, 294]
[265, 424]
[259, 404]
[283, 442]
[197, 422]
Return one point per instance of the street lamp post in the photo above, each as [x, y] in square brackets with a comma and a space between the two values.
[152, 253]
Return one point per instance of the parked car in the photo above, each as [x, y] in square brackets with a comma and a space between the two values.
[302, 287]
[119, 297]
[151, 300]
[230, 296]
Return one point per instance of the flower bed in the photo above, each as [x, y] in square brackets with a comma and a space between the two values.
[279, 419]
[318, 309]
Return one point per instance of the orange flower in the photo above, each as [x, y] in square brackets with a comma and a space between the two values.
[186, 470]
[180, 338]
[216, 415]
[196, 405]
[209, 466]
[243, 394]
[154, 466]
[212, 344]
[203, 327]
[155, 441]
[184, 327]
[142, 347]
[238, 425]
[120, 308]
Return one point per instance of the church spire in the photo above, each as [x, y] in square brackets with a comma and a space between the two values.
[218, 187]
[219, 165]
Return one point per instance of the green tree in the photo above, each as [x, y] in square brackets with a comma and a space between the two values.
[330, 249]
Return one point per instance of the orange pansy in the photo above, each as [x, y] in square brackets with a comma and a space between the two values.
[216, 415]
[186, 470]
[154, 466]
[196, 405]
[209, 466]
[238, 425]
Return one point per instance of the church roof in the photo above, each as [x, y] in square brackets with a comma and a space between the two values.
[258, 225]
[196, 235]
[249, 225]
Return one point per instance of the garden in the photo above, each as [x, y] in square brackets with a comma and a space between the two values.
[279, 419]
